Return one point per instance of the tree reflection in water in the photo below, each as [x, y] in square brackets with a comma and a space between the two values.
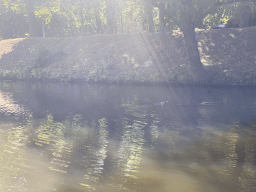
[129, 144]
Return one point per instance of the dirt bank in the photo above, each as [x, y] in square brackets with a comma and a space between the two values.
[229, 54]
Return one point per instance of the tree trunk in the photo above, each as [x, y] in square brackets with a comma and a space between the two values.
[149, 16]
[121, 24]
[111, 17]
[98, 22]
[188, 28]
[162, 26]
[34, 27]
[244, 14]
[43, 27]
[199, 19]
[82, 20]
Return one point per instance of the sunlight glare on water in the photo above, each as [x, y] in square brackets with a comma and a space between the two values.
[61, 137]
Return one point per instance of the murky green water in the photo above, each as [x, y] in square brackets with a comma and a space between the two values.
[72, 138]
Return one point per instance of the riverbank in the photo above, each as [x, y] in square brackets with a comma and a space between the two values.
[228, 54]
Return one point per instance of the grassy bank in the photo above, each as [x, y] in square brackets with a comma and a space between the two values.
[229, 54]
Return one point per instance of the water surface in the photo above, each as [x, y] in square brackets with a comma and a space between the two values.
[110, 138]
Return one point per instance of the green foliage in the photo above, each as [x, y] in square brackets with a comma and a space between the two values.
[132, 16]
[221, 15]
[85, 17]
[12, 24]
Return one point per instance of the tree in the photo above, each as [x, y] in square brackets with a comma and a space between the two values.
[162, 12]
[149, 16]
[111, 16]
[162, 25]
[183, 12]
[34, 27]
[237, 10]
[187, 26]
[28, 8]
[131, 16]
[98, 21]
[12, 24]
[244, 14]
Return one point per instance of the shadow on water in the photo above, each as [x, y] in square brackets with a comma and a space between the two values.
[62, 137]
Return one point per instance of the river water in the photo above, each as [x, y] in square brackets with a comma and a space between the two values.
[111, 138]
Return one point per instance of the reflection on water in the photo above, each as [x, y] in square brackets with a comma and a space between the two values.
[62, 137]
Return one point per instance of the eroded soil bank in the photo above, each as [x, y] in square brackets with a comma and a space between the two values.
[229, 54]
